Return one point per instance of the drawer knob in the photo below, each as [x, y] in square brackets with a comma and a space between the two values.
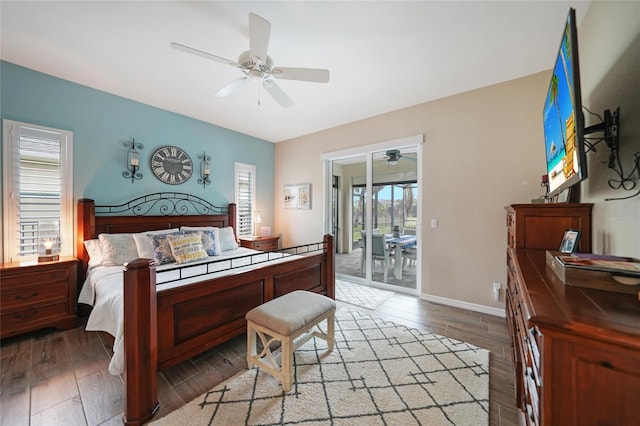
[23, 297]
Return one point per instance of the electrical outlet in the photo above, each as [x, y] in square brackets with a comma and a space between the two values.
[496, 291]
[434, 223]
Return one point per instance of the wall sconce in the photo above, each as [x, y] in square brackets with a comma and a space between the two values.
[205, 169]
[48, 241]
[132, 160]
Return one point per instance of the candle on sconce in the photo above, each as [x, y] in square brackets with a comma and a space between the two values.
[207, 172]
[135, 162]
[545, 178]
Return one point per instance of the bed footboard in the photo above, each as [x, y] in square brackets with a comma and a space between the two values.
[175, 324]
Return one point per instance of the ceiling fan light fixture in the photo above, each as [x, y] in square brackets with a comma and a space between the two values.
[392, 162]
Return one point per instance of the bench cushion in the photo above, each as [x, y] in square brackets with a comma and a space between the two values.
[290, 312]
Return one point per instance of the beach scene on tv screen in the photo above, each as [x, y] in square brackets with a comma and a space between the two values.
[559, 125]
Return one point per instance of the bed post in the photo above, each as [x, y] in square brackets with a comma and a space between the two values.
[85, 230]
[330, 252]
[140, 342]
[232, 217]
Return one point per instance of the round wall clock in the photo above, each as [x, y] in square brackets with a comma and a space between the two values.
[171, 165]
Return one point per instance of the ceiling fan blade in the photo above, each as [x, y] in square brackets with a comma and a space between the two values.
[316, 75]
[231, 87]
[259, 33]
[204, 54]
[277, 93]
[412, 159]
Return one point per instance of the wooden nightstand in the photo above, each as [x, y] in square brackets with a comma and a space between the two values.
[36, 295]
[260, 243]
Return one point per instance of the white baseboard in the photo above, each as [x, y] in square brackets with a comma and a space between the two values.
[464, 305]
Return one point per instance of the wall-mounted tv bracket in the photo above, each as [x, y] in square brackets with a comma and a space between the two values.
[609, 127]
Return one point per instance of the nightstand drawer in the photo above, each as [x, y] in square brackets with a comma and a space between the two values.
[34, 315]
[265, 245]
[33, 295]
[18, 280]
[260, 243]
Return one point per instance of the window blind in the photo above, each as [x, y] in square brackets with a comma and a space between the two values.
[38, 194]
[245, 198]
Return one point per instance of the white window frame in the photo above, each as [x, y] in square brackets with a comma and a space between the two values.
[242, 214]
[10, 197]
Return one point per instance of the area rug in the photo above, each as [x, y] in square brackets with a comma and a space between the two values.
[361, 295]
[380, 373]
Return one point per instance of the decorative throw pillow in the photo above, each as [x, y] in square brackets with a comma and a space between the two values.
[94, 249]
[117, 249]
[213, 229]
[143, 244]
[208, 241]
[187, 247]
[161, 248]
[227, 239]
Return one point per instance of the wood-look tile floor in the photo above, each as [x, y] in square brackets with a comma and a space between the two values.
[60, 377]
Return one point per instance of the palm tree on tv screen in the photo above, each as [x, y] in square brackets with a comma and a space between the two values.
[553, 99]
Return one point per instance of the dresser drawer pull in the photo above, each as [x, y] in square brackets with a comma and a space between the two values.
[27, 316]
[606, 364]
[22, 297]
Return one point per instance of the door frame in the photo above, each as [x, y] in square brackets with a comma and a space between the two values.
[368, 151]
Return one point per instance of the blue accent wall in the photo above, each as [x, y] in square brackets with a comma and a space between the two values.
[101, 121]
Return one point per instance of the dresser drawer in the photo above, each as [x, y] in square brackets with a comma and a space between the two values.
[16, 280]
[31, 316]
[33, 295]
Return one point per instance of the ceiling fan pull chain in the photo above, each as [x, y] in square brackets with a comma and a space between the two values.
[259, 93]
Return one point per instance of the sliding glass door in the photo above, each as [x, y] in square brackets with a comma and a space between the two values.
[375, 217]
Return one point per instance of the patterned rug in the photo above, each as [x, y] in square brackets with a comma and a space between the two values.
[361, 295]
[379, 373]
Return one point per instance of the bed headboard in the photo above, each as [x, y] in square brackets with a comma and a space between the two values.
[161, 210]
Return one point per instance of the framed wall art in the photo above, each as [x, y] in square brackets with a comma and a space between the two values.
[297, 196]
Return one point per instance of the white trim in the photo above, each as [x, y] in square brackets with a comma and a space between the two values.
[67, 210]
[367, 149]
[464, 305]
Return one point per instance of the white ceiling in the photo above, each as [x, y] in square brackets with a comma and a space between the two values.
[382, 56]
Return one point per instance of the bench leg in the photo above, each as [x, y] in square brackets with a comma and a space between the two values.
[251, 344]
[286, 353]
[331, 331]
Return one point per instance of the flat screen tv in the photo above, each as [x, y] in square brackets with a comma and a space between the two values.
[563, 118]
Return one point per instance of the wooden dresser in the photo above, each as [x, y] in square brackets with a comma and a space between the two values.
[576, 351]
[37, 295]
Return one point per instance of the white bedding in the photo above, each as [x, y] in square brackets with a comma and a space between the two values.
[103, 290]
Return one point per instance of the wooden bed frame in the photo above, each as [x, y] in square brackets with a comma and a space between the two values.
[166, 327]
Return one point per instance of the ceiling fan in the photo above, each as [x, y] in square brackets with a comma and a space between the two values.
[393, 156]
[255, 64]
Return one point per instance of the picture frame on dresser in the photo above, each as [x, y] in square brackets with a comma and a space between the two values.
[570, 241]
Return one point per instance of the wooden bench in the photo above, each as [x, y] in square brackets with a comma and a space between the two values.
[288, 320]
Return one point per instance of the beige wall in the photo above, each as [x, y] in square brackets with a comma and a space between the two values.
[609, 42]
[482, 150]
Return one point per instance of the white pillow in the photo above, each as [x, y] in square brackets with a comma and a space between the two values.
[187, 247]
[118, 249]
[143, 244]
[227, 239]
[214, 229]
[94, 250]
